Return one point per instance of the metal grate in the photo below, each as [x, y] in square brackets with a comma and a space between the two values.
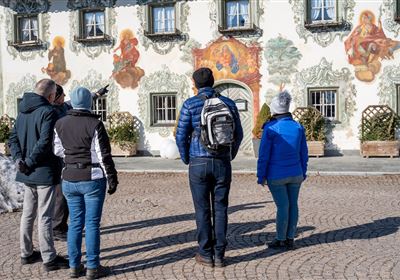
[163, 108]
[324, 100]
[99, 107]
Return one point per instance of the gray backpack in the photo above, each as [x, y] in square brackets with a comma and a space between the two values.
[217, 125]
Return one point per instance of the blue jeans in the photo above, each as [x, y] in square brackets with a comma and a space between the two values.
[210, 181]
[85, 203]
[285, 193]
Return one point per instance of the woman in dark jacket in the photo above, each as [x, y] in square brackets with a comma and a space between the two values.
[81, 139]
[282, 164]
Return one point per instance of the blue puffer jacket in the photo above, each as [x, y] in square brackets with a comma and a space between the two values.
[188, 130]
[283, 150]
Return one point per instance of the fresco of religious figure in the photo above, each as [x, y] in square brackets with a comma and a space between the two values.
[57, 66]
[226, 59]
[367, 45]
[125, 71]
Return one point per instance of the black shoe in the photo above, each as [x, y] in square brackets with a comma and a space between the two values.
[203, 261]
[76, 272]
[56, 264]
[99, 272]
[219, 262]
[290, 244]
[34, 258]
[60, 236]
[277, 244]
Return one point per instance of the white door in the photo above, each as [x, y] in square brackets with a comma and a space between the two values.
[236, 92]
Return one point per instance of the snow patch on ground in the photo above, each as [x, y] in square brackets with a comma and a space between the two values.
[11, 192]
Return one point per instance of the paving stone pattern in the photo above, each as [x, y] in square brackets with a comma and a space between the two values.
[348, 229]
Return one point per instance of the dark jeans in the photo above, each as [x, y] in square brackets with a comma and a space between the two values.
[60, 218]
[210, 180]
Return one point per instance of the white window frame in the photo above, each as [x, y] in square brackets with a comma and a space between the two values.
[154, 109]
[226, 15]
[322, 20]
[322, 104]
[84, 25]
[102, 100]
[19, 28]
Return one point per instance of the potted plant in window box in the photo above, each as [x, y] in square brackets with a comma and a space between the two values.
[5, 130]
[315, 128]
[123, 134]
[263, 116]
[378, 129]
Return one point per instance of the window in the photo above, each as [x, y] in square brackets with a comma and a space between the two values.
[322, 12]
[237, 14]
[93, 24]
[99, 107]
[397, 11]
[163, 109]
[398, 99]
[325, 101]
[162, 19]
[27, 29]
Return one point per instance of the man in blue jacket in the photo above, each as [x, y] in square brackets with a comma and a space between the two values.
[209, 174]
[31, 144]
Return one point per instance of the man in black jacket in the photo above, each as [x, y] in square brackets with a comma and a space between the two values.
[39, 169]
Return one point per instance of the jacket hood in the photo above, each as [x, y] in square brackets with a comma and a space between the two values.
[31, 101]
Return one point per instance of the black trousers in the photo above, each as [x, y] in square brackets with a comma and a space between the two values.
[61, 213]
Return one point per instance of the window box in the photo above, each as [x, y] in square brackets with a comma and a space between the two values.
[380, 149]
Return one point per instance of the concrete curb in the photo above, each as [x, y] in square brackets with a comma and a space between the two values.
[310, 173]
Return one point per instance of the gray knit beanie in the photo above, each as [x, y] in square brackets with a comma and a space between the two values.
[280, 104]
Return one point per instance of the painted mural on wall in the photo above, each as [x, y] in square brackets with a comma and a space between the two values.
[367, 45]
[125, 57]
[282, 58]
[57, 66]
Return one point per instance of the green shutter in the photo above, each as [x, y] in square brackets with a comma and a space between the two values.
[308, 12]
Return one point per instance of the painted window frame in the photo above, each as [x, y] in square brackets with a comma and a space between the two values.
[397, 11]
[310, 90]
[397, 109]
[149, 32]
[310, 24]
[153, 121]
[222, 17]
[17, 38]
[81, 36]
[103, 111]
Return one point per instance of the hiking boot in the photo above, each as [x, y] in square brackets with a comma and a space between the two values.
[290, 244]
[99, 272]
[56, 264]
[76, 272]
[60, 236]
[203, 261]
[34, 258]
[219, 262]
[277, 244]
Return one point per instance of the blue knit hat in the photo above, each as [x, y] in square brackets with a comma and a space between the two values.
[81, 99]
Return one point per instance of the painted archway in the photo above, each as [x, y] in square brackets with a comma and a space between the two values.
[230, 59]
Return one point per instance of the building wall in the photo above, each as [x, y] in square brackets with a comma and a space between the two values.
[317, 59]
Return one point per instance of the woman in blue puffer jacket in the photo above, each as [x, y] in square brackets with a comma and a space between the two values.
[282, 165]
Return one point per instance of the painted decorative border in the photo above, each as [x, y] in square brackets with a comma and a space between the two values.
[322, 75]
[94, 81]
[27, 7]
[321, 36]
[79, 4]
[164, 45]
[158, 82]
[16, 90]
[95, 49]
[389, 79]
[388, 10]
[187, 51]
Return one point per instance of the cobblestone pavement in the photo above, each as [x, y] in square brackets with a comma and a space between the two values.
[348, 229]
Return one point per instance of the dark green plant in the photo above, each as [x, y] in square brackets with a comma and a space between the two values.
[124, 133]
[4, 132]
[380, 127]
[314, 124]
[263, 116]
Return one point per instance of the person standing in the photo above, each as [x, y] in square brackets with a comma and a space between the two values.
[282, 164]
[81, 139]
[39, 169]
[210, 174]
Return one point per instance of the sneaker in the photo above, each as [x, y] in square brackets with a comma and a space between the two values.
[56, 264]
[76, 272]
[60, 236]
[99, 272]
[219, 262]
[203, 261]
[290, 244]
[277, 244]
[34, 258]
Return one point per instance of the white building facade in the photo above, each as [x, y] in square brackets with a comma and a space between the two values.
[336, 55]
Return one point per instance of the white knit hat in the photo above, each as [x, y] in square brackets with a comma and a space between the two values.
[280, 103]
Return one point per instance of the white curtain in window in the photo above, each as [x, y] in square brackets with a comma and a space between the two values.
[231, 9]
[244, 13]
[316, 6]
[158, 20]
[90, 20]
[100, 23]
[35, 29]
[330, 9]
[169, 19]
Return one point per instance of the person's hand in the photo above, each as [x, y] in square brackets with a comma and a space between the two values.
[22, 167]
[112, 185]
[262, 182]
[102, 91]
[112, 189]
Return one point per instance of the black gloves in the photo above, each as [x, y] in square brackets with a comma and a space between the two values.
[112, 185]
[102, 91]
[22, 167]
